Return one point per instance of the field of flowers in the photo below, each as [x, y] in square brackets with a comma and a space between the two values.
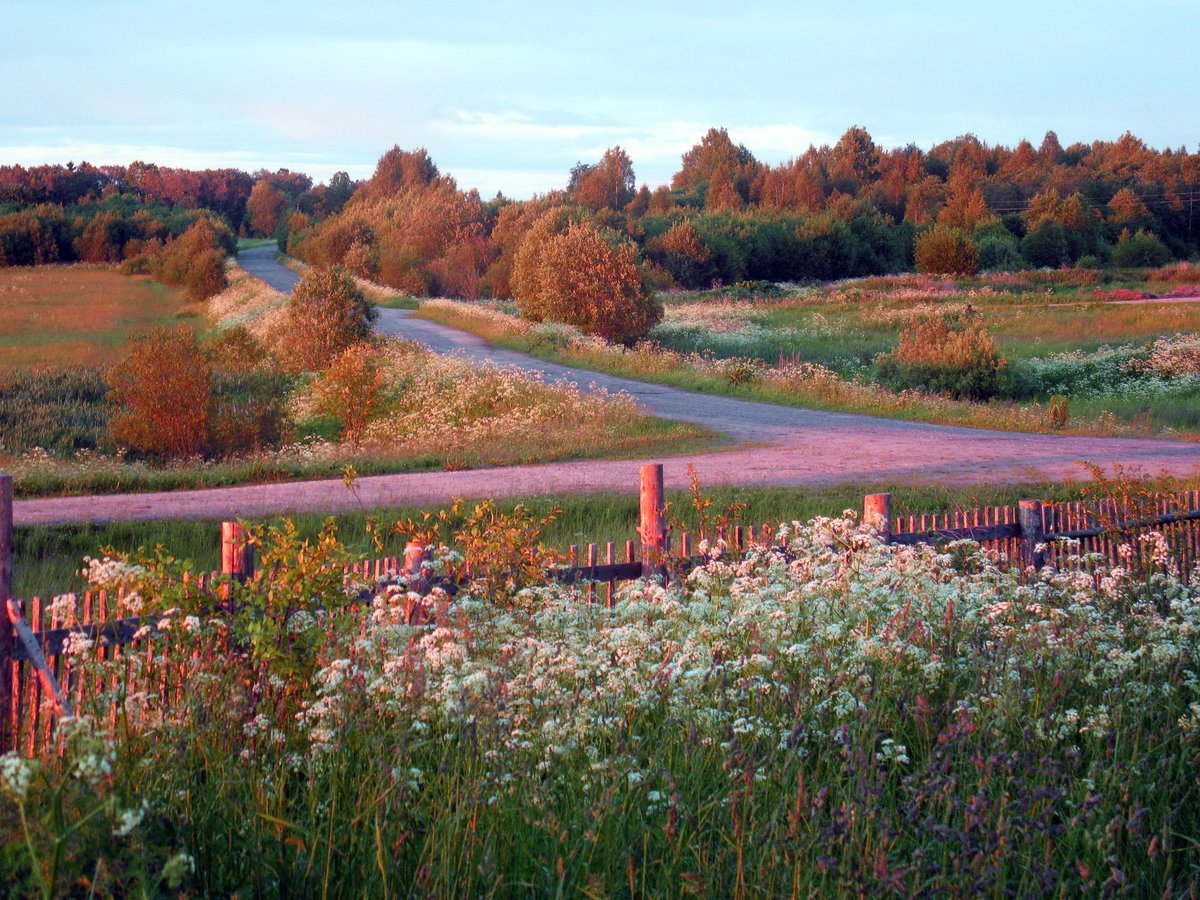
[1073, 361]
[837, 717]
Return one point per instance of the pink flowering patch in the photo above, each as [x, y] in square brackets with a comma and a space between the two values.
[1122, 294]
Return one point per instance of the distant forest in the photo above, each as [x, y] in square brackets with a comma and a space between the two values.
[850, 209]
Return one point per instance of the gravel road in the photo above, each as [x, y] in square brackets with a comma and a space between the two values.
[787, 446]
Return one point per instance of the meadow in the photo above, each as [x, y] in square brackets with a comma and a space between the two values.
[413, 412]
[1110, 367]
[80, 315]
[836, 717]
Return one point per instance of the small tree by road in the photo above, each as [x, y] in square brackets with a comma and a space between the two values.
[327, 314]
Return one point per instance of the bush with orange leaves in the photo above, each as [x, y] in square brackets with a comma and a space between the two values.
[949, 354]
[327, 313]
[943, 250]
[351, 389]
[163, 391]
[195, 260]
[567, 270]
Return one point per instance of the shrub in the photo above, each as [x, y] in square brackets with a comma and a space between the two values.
[943, 250]
[195, 260]
[950, 354]
[584, 278]
[327, 314]
[163, 391]
[1046, 245]
[351, 389]
[1140, 248]
[999, 254]
[1058, 411]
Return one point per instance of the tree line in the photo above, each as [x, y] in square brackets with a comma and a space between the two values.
[844, 210]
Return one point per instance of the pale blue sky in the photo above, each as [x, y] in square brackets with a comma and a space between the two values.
[508, 96]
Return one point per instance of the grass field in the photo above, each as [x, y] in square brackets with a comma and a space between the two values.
[52, 316]
[848, 333]
[1123, 369]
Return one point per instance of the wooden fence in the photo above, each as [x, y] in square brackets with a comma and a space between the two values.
[37, 683]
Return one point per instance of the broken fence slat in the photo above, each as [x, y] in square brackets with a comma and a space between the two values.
[26, 641]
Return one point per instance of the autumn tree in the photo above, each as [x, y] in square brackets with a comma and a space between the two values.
[944, 250]
[569, 271]
[853, 161]
[399, 170]
[195, 260]
[263, 208]
[716, 159]
[326, 314]
[683, 253]
[351, 389]
[609, 184]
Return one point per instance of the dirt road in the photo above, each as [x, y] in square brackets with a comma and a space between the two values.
[789, 447]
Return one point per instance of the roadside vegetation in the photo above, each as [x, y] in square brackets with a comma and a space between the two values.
[49, 558]
[839, 717]
[277, 389]
[1032, 351]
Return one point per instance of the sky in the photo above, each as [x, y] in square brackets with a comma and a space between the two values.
[509, 96]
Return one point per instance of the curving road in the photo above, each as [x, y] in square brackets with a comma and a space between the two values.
[789, 446]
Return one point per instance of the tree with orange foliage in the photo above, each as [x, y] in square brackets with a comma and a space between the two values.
[609, 184]
[684, 255]
[568, 271]
[196, 259]
[351, 388]
[263, 208]
[716, 157]
[326, 314]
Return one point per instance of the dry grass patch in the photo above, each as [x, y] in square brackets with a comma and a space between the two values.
[78, 315]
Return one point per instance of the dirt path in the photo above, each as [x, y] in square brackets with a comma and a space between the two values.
[790, 447]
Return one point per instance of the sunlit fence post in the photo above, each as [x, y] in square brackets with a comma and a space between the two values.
[652, 528]
[237, 556]
[7, 631]
[877, 512]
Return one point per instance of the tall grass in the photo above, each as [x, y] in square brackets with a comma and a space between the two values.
[846, 719]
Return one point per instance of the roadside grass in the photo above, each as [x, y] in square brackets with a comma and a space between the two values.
[48, 558]
[623, 435]
[793, 383]
[399, 302]
[247, 243]
[79, 315]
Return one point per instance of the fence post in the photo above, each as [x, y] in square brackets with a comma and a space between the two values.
[7, 629]
[237, 556]
[415, 553]
[877, 512]
[1033, 533]
[652, 528]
